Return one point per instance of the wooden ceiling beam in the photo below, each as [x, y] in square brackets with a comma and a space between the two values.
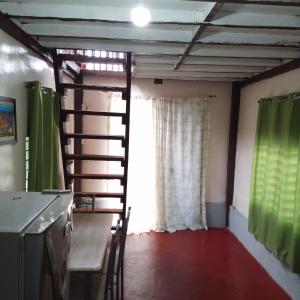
[292, 65]
[24, 20]
[216, 7]
[256, 27]
[290, 3]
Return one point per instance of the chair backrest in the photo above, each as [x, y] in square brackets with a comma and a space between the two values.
[111, 261]
[123, 240]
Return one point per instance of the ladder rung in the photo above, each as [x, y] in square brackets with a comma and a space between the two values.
[94, 136]
[98, 194]
[99, 210]
[83, 58]
[96, 176]
[93, 113]
[93, 87]
[94, 157]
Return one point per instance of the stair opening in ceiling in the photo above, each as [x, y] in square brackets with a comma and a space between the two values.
[111, 56]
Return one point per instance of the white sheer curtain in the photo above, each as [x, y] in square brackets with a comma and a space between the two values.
[167, 161]
[181, 139]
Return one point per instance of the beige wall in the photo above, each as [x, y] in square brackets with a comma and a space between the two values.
[220, 111]
[17, 65]
[279, 85]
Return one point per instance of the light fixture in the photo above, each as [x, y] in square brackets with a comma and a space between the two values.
[140, 15]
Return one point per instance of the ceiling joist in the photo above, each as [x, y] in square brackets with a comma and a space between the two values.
[215, 8]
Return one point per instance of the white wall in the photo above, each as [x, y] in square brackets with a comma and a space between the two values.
[18, 65]
[279, 85]
[220, 113]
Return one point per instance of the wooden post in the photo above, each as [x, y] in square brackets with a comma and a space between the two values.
[233, 130]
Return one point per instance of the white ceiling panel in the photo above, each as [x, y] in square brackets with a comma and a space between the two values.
[103, 12]
[264, 9]
[191, 74]
[200, 68]
[229, 42]
[73, 29]
[81, 43]
[251, 36]
[235, 61]
[245, 51]
[257, 19]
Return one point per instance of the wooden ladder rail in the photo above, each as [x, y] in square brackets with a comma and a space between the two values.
[127, 129]
[58, 76]
[126, 94]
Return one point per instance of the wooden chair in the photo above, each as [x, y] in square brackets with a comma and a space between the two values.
[119, 272]
[119, 267]
[109, 278]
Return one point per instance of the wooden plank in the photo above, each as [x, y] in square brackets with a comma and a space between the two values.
[198, 33]
[95, 136]
[100, 73]
[90, 59]
[292, 65]
[92, 87]
[103, 210]
[98, 194]
[233, 130]
[92, 113]
[96, 176]
[94, 157]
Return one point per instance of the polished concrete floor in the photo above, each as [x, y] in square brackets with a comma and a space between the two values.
[201, 265]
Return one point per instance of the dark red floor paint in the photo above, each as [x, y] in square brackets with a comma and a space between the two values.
[201, 265]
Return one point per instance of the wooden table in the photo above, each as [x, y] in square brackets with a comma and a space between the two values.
[88, 245]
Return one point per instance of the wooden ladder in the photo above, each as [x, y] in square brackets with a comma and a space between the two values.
[59, 61]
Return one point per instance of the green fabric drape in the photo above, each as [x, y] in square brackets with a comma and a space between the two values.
[274, 216]
[43, 132]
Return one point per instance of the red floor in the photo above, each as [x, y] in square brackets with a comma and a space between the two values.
[201, 265]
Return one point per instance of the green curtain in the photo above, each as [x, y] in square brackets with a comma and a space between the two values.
[43, 133]
[274, 216]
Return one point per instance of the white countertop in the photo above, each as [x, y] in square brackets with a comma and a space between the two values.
[88, 241]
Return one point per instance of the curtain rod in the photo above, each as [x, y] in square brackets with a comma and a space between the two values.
[281, 98]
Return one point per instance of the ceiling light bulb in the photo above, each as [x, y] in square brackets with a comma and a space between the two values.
[140, 16]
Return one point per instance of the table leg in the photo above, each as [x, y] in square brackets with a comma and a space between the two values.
[88, 286]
